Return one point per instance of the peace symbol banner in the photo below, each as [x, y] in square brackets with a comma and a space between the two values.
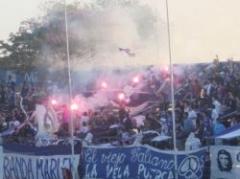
[225, 162]
[140, 162]
[133, 162]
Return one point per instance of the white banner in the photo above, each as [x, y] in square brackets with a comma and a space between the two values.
[225, 162]
[18, 166]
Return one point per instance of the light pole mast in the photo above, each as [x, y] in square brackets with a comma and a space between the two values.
[172, 92]
[69, 87]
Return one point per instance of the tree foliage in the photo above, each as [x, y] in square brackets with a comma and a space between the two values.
[42, 42]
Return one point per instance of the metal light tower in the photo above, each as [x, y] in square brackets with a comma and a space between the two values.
[172, 92]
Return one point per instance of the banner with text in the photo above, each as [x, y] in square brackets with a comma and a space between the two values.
[19, 161]
[225, 162]
[17, 166]
[140, 162]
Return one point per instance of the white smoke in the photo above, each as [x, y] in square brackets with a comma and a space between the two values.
[104, 31]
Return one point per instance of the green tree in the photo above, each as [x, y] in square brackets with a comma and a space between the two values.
[42, 42]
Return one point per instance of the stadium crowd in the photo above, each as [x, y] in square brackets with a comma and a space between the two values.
[207, 101]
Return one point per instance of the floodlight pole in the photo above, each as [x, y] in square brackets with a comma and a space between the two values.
[172, 93]
[69, 87]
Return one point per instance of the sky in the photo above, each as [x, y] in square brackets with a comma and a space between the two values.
[200, 29]
[12, 12]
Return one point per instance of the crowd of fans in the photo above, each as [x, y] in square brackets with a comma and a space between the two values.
[206, 103]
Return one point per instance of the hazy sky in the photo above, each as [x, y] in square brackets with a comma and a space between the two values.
[200, 28]
[12, 12]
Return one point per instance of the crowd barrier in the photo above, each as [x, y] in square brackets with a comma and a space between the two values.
[133, 162]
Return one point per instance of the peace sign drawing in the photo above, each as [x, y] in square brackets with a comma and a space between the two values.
[189, 168]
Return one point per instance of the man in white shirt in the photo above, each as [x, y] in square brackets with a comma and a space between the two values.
[47, 123]
[193, 116]
[217, 105]
[192, 142]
